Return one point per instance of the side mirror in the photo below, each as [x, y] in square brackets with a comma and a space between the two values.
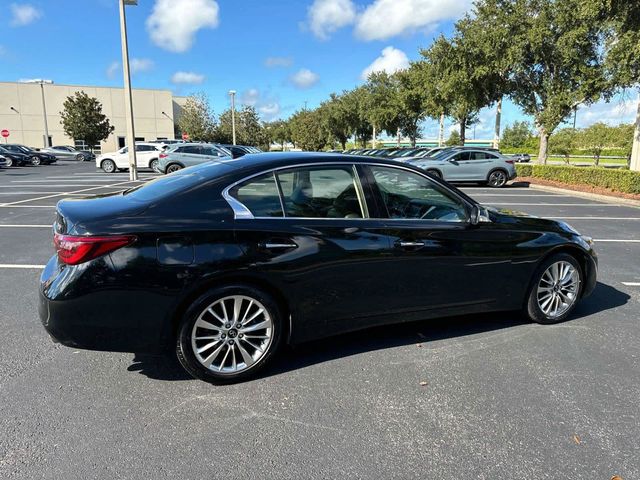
[479, 214]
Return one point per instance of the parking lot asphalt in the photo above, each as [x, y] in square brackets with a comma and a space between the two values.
[481, 397]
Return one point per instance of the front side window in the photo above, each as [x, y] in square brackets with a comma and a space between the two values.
[407, 195]
[328, 192]
[260, 195]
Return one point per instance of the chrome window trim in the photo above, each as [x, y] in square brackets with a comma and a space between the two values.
[241, 212]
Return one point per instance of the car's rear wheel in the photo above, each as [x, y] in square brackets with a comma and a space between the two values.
[9, 162]
[35, 161]
[497, 178]
[555, 289]
[153, 165]
[174, 167]
[434, 173]
[229, 334]
[109, 166]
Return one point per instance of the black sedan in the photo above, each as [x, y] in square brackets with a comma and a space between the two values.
[35, 157]
[226, 261]
[14, 159]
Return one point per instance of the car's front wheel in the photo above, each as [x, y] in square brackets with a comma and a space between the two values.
[35, 161]
[229, 334]
[555, 289]
[109, 166]
[80, 157]
[9, 162]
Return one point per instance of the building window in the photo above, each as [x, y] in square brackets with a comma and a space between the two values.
[139, 139]
[121, 142]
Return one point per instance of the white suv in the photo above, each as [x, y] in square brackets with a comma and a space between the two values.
[146, 157]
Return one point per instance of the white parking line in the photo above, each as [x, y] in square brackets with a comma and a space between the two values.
[9, 265]
[57, 195]
[615, 241]
[562, 204]
[592, 218]
[27, 206]
[631, 284]
[24, 226]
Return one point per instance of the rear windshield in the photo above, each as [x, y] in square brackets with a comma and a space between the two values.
[176, 182]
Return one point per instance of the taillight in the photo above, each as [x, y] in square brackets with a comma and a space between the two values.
[509, 161]
[163, 155]
[74, 250]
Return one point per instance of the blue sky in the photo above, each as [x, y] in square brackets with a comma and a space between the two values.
[277, 54]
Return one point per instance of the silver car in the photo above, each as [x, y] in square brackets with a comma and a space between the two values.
[467, 165]
[184, 155]
[69, 153]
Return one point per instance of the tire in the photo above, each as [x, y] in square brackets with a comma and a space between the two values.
[434, 173]
[497, 178]
[174, 167]
[10, 162]
[537, 309]
[109, 166]
[153, 164]
[35, 161]
[226, 348]
[80, 157]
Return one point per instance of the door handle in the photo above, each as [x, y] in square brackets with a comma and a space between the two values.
[277, 245]
[409, 244]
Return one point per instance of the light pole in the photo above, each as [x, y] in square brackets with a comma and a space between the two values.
[232, 93]
[44, 108]
[128, 98]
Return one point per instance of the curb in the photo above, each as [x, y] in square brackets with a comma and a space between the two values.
[587, 195]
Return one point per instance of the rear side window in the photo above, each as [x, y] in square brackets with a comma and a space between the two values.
[189, 149]
[260, 196]
[329, 192]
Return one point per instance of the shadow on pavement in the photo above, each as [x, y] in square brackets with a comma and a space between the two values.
[603, 298]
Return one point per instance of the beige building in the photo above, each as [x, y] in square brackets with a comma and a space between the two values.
[21, 112]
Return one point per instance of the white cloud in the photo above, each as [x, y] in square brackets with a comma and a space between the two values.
[140, 65]
[23, 14]
[268, 107]
[112, 69]
[390, 61]
[387, 18]
[191, 78]
[173, 24]
[327, 16]
[305, 78]
[278, 62]
[620, 110]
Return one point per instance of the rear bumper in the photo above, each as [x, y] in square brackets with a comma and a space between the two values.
[93, 317]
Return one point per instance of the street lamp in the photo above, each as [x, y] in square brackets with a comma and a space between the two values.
[44, 108]
[128, 98]
[232, 93]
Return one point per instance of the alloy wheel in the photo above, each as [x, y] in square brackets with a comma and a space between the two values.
[173, 168]
[108, 166]
[497, 178]
[80, 158]
[558, 289]
[232, 334]
[153, 165]
[35, 161]
[9, 162]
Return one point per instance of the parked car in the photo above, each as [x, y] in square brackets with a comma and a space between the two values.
[238, 151]
[466, 165]
[147, 155]
[3, 161]
[521, 157]
[14, 159]
[226, 261]
[36, 157]
[189, 154]
[65, 152]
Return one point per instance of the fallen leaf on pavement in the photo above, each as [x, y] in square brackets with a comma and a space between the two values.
[576, 439]
[423, 383]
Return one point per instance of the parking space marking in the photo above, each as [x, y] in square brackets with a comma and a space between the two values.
[58, 195]
[27, 206]
[601, 240]
[24, 226]
[592, 218]
[561, 204]
[10, 265]
[631, 284]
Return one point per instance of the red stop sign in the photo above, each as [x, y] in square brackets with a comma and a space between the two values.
[185, 136]
[4, 133]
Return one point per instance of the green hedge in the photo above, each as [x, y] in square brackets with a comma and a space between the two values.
[625, 181]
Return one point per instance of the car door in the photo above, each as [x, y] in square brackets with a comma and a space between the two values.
[456, 167]
[121, 158]
[478, 166]
[441, 262]
[308, 229]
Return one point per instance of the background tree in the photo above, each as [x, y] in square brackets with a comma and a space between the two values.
[563, 142]
[278, 132]
[622, 138]
[355, 104]
[556, 56]
[416, 96]
[382, 102]
[249, 128]
[454, 139]
[197, 118]
[595, 138]
[82, 119]
[307, 130]
[337, 118]
[517, 135]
